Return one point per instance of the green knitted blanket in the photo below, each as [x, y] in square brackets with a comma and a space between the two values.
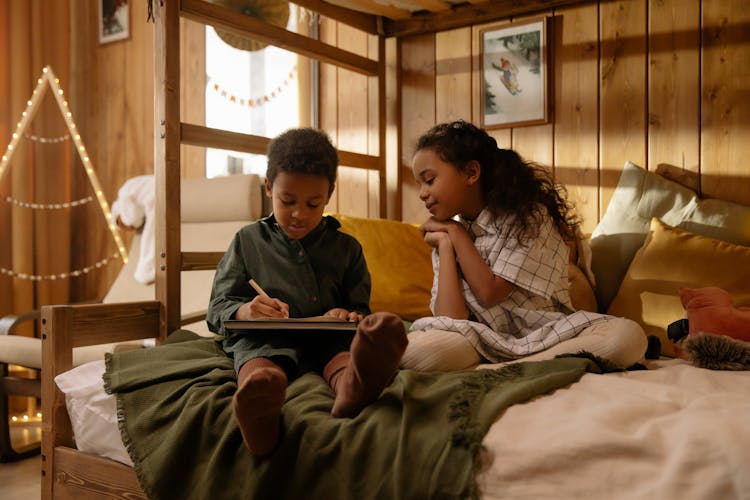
[421, 439]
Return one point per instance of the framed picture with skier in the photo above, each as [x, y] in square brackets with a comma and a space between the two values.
[513, 76]
[114, 20]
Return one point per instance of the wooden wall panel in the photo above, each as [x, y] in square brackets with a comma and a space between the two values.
[417, 113]
[622, 80]
[350, 113]
[328, 96]
[650, 81]
[193, 94]
[725, 101]
[674, 84]
[576, 138]
[373, 130]
[453, 75]
[353, 107]
[6, 125]
[112, 102]
[534, 143]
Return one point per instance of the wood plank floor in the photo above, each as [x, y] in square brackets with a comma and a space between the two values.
[21, 480]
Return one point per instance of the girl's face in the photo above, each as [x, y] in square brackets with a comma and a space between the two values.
[298, 202]
[445, 190]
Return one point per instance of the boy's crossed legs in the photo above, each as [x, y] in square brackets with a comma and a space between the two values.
[357, 377]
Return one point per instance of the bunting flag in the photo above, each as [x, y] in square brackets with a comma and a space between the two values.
[253, 102]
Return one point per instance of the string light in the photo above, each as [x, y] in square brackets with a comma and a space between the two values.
[27, 418]
[47, 140]
[52, 277]
[253, 102]
[48, 79]
[49, 206]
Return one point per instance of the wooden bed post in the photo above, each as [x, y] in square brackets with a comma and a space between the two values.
[57, 351]
[167, 162]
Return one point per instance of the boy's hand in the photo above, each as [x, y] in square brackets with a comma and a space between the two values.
[341, 313]
[262, 307]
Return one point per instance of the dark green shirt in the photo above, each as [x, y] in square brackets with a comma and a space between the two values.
[323, 270]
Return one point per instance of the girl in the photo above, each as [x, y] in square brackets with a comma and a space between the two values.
[501, 269]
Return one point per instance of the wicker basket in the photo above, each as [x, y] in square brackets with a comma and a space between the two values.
[274, 12]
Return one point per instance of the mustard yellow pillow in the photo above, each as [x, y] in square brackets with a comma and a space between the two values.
[670, 258]
[399, 262]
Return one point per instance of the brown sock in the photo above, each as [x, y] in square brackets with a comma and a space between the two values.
[261, 389]
[359, 376]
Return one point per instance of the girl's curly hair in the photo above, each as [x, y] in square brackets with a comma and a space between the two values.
[509, 184]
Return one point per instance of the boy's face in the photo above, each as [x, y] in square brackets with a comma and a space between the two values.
[298, 202]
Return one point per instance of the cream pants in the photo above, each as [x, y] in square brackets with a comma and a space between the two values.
[619, 340]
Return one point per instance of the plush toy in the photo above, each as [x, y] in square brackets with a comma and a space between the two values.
[718, 332]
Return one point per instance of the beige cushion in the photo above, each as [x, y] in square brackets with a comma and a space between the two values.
[195, 285]
[581, 293]
[27, 351]
[234, 197]
[641, 195]
[671, 258]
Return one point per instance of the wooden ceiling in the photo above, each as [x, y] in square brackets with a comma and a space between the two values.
[411, 17]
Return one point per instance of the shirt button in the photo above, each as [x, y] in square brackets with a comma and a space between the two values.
[314, 298]
[301, 253]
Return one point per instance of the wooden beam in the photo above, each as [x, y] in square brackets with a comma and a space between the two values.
[366, 22]
[434, 5]
[470, 13]
[200, 261]
[252, 27]
[167, 161]
[198, 135]
[381, 9]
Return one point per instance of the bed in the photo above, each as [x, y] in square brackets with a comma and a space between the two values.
[559, 428]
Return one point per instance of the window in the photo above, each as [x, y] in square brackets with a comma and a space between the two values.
[253, 92]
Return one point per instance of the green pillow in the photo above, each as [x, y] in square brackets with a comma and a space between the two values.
[641, 195]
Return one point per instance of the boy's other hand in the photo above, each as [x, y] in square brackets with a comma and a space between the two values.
[341, 313]
[263, 307]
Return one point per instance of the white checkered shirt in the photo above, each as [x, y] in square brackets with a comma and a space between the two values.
[538, 312]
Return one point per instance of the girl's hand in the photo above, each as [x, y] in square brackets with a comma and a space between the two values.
[433, 225]
[341, 313]
[262, 307]
[437, 238]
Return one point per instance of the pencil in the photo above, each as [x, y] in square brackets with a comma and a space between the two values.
[257, 288]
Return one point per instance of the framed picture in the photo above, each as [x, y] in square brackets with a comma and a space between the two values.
[513, 74]
[114, 20]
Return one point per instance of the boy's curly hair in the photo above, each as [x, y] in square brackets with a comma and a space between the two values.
[509, 184]
[303, 151]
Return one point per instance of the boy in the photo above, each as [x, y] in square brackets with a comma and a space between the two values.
[307, 268]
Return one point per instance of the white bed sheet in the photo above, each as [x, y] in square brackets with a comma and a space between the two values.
[673, 432]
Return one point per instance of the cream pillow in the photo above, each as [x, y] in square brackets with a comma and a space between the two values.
[671, 258]
[399, 262]
[641, 195]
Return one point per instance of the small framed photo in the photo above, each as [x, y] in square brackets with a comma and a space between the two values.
[513, 74]
[114, 20]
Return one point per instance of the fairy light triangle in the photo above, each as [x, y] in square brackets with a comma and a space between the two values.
[49, 80]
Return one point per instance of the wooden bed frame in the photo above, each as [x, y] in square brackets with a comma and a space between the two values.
[67, 472]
